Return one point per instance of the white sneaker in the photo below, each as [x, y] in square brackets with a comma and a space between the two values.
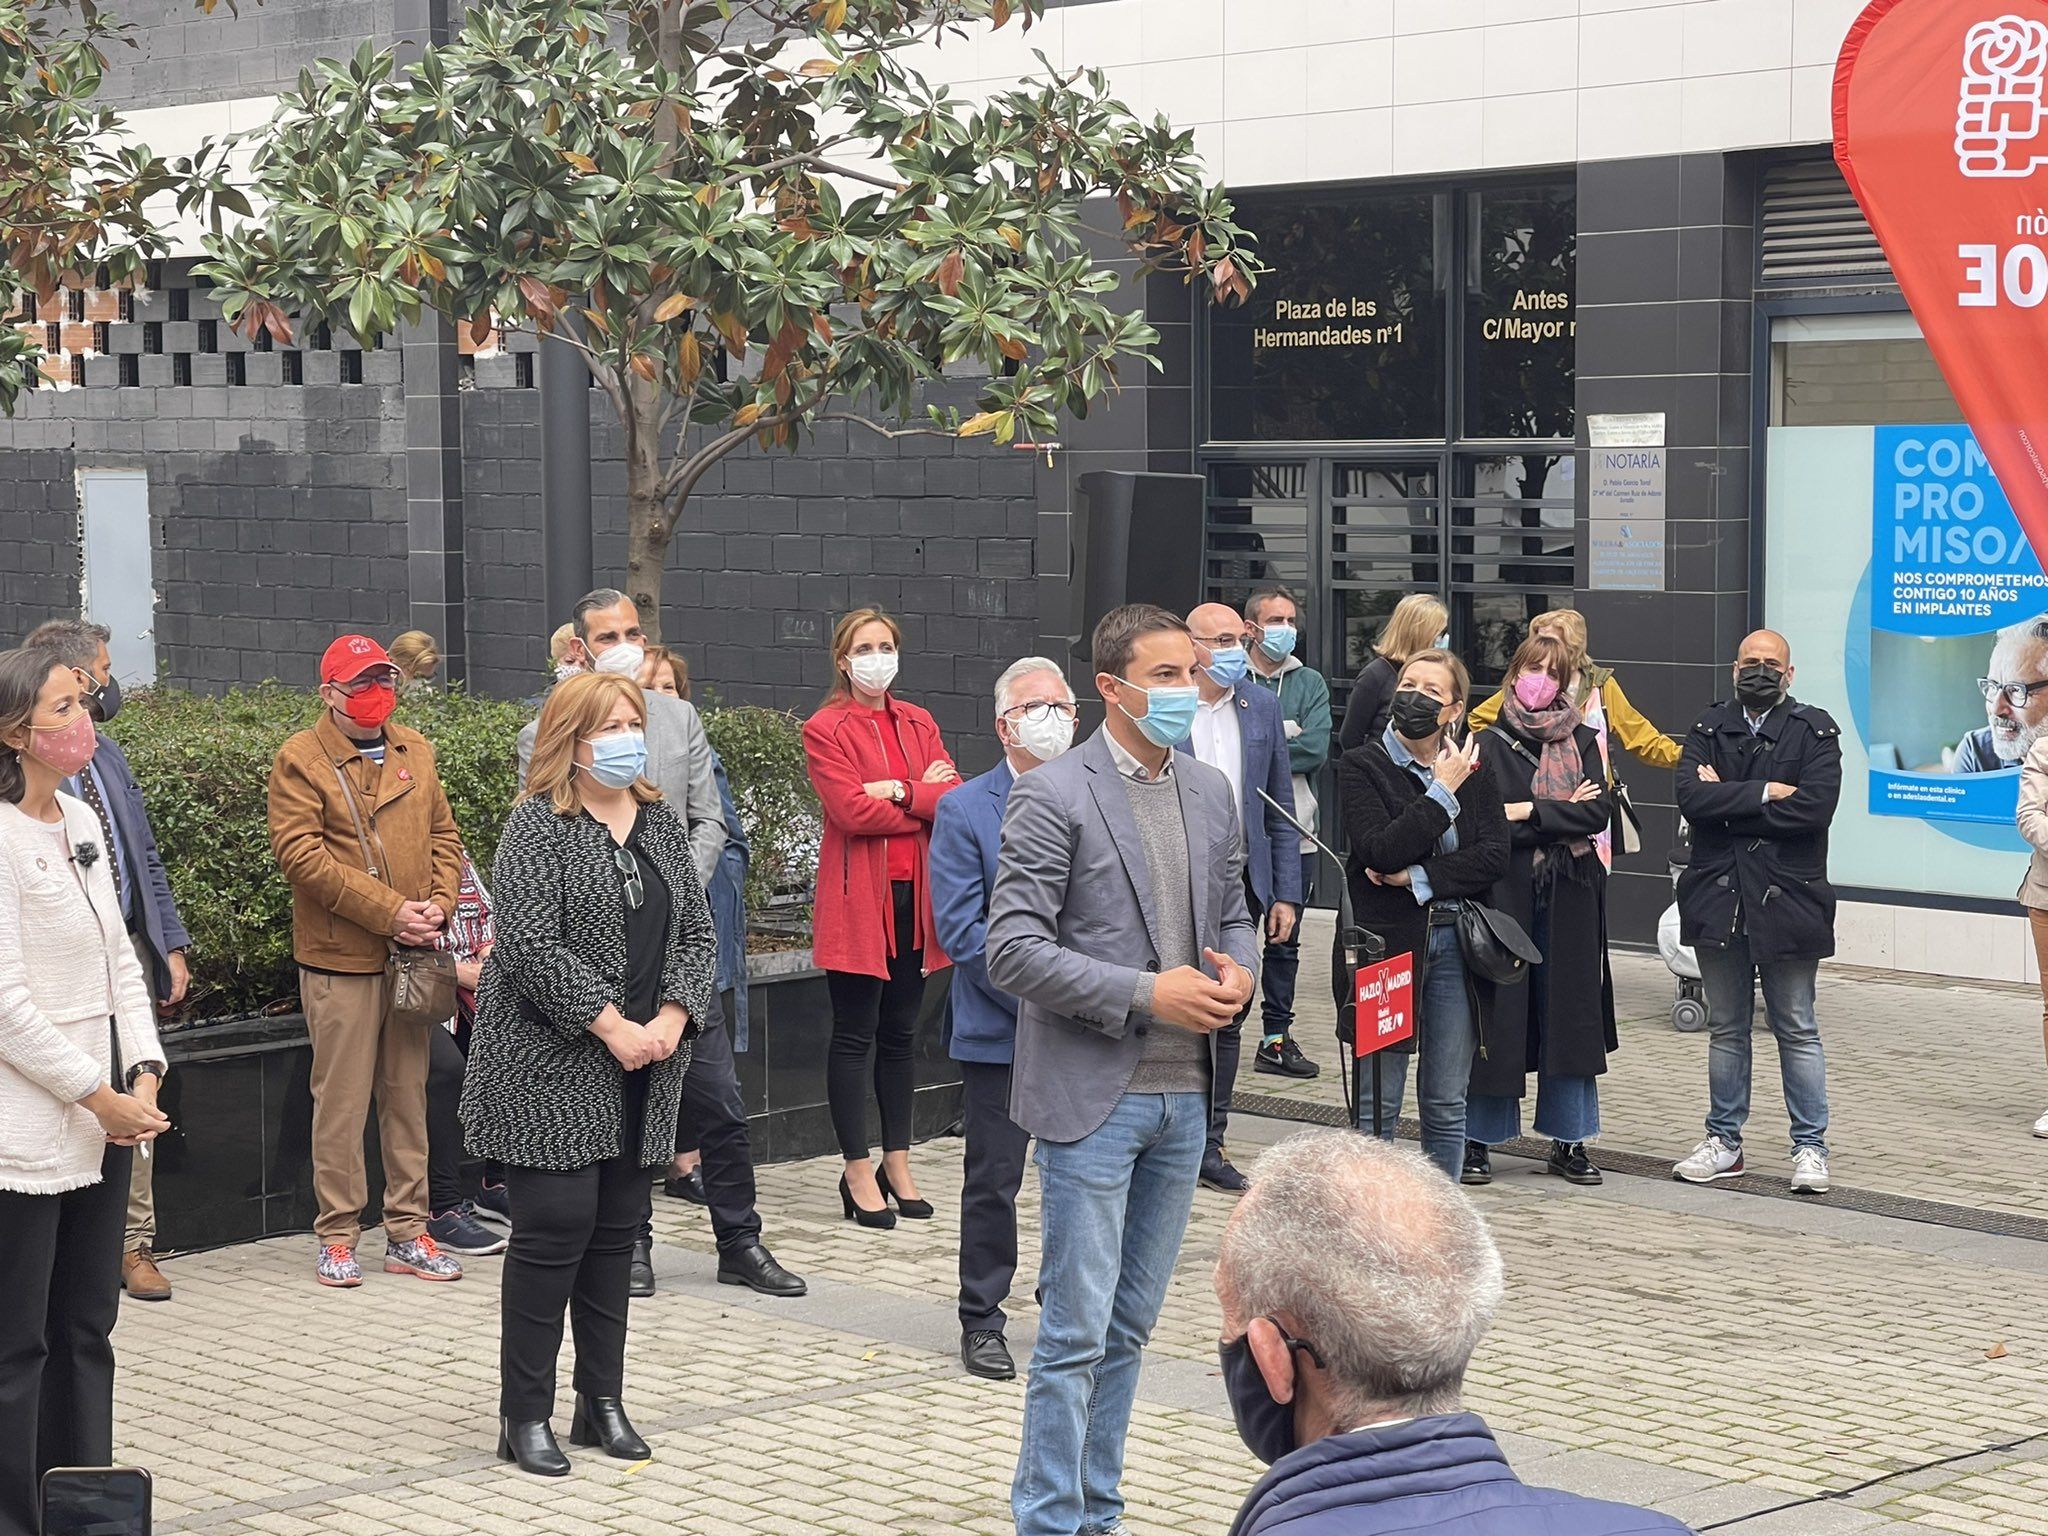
[2041, 1127]
[1712, 1159]
[1809, 1171]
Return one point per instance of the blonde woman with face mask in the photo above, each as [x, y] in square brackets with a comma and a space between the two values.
[879, 768]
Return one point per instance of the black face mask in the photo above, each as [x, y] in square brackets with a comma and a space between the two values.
[1759, 686]
[103, 700]
[1266, 1427]
[1415, 714]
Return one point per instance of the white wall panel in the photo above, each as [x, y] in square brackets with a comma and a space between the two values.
[1474, 84]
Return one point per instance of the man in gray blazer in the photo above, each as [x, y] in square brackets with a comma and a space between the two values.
[1119, 923]
[682, 765]
[608, 638]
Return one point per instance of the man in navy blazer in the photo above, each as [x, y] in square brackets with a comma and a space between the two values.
[159, 936]
[1035, 717]
[1241, 730]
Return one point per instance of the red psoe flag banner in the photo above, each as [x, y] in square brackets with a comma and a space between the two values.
[1941, 128]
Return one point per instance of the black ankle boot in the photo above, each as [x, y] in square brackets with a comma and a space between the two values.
[640, 1268]
[602, 1422]
[531, 1443]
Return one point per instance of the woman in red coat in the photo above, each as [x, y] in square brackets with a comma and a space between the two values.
[879, 769]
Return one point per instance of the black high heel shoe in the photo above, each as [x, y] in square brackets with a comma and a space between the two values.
[531, 1443]
[916, 1210]
[884, 1218]
[602, 1422]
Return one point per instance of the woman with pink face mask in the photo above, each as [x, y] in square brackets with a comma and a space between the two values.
[79, 1068]
[1559, 1023]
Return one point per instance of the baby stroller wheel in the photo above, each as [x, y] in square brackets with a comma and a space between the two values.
[1688, 1015]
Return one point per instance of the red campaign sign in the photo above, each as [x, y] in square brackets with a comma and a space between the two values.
[1386, 1004]
[1942, 131]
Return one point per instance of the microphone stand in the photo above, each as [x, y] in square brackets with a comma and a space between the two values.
[1353, 947]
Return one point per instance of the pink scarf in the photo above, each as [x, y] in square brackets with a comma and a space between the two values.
[1559, 767]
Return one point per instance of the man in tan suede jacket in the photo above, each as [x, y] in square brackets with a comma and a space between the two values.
[361, 828]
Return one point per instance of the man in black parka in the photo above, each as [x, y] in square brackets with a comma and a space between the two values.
[1759, 781]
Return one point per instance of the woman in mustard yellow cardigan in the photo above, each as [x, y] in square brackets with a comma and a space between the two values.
[1600, 701]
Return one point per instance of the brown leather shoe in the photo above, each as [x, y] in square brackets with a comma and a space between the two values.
[141, 1278]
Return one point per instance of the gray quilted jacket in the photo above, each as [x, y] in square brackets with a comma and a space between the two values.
[541, 1091]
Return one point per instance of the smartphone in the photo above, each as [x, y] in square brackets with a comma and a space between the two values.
[96, 1501]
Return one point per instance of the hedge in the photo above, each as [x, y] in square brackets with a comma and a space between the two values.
[203, 762]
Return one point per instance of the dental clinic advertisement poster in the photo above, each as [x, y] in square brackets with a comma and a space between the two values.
[1959, 632]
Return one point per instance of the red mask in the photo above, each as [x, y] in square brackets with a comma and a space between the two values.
[66, 748]
[372, 707]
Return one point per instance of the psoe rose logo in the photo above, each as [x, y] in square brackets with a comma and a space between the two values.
[2001, 129]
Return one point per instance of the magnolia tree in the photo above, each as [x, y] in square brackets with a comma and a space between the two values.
[73, 187]
[749, 217]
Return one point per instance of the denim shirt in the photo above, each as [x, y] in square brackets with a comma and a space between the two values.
[1397, 749]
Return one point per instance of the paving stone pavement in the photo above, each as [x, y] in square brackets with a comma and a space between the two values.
[1933, 1085]
[1715, 1355]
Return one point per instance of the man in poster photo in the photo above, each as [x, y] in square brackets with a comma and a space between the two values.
[2015, 692]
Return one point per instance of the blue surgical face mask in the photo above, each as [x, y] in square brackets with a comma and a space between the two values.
[1277, 641]
[1169, 713]
[1227, 665]
[616, 761]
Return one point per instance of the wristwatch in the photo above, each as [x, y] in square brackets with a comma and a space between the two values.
[902, 795]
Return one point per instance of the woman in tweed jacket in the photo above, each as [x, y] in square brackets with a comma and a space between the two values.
[603, 964]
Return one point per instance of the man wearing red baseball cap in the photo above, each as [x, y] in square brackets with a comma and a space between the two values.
[361, 828]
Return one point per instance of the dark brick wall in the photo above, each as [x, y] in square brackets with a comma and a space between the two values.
[771, 550]
[183, 55]
[278, 512]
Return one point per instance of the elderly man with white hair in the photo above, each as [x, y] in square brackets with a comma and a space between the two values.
[1346, 1374]
[1034, 717]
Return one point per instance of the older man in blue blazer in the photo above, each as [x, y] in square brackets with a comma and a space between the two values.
[1241, 731]
[1035, 723]
[154, 928]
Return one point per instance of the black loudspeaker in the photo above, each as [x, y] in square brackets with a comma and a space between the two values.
[1137, 539]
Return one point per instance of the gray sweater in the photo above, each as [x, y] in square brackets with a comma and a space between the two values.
[1174, 1060]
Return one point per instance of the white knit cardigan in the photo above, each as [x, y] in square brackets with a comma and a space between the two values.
[66, 966]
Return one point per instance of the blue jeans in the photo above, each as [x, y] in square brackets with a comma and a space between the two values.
[1567, 1109]
[1730, 978]
[1114, 1208]
[1283, 964]
[1446, 1039]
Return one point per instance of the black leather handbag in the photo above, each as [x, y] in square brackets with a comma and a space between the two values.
[1495, 946]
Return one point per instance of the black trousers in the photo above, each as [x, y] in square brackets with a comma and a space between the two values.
[60, 1275]
[992, 1171]
[572, 1245]
[1229, 1048]
[445, 1064]
[713, 1122]
[871, 1016]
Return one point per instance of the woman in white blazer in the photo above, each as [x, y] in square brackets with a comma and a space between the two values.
[79, 1068]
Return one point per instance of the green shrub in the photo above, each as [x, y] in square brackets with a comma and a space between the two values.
[204, 766]
[763, 751]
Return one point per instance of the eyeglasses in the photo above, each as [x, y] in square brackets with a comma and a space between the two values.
[2015, 694]
[1039, 710]
[356, 685]
[1219, 642]
[630, 878]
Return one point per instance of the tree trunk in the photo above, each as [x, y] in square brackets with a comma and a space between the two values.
[648, 524]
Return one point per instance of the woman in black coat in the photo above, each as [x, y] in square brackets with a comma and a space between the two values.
[603, 964]
[1416, 625]
[1424, 821]
[1560, 1022]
